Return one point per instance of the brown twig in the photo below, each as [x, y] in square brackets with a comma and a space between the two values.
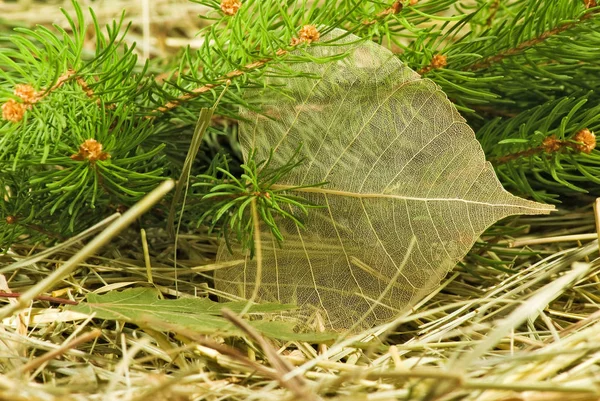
[493, 111]
[89, 92]
[584, 142]
[438, 61]
[307, 34]
[395, 8]
[493, 11]
[14, 111]
[40, 298]
[43, 231]
[513, 156]
[208, 87]
[60, 82]
[296, 384]
[34, 363]
[527, 44]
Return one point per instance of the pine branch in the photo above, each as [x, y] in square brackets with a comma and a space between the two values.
[583, 141]
[111, 132]
[225, 80]
[523, 46]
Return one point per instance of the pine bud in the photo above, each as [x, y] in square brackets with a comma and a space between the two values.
[13, 111]
[396, 7]
[587, 139]
[230, 7]
[90, 150]
[26, 92]
[307, 34]
[439, 61]
[552, 144]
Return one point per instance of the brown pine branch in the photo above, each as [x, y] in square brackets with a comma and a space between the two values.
[518, 155]
[493, 111]
[60, 82]
[583, 141]
[55, 300]
[438, 61]
[527, 44]
[395, 8]
[14, 111]
[45, 232]
[307, 34]
[493, 11]
[221, 81]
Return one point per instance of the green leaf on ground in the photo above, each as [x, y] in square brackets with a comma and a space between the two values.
[201, 315]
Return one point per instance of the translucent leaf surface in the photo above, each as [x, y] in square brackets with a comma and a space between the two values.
[408, 188]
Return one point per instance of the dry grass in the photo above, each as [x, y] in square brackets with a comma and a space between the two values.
[159, 27]
[484, 335]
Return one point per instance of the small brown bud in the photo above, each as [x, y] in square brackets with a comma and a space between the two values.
[307, 34]
[230, 7]
[552, 144]
[13, 111]
[439, 61]
[413, 2]
[590, 3]
[396, 7]
[587, 139]
[27, 93]
[90, 150]
[11, 219]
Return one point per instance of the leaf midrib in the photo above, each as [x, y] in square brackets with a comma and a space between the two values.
[324, 191]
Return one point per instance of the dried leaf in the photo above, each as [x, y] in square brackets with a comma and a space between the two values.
[402, 167]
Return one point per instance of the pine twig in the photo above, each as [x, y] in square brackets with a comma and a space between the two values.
[14, 111]
[395, 8]
[488, 62]
[221, 81]
[307, 34]
[56, 300]
[438, 61]
[585, 142]
[493, 11]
